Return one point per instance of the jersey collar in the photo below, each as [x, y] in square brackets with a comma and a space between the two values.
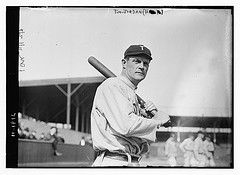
[128, 82]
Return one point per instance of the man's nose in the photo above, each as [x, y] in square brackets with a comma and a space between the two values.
[141, 65]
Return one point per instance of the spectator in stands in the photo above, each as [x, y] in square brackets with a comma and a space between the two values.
[42, 136]
[209, 150]
[82, 141]
[25, 133]
[187, 148]
[171, 150]
[54, 137]
[32, 136]
[89, 140]
[19, 115]
[20, 130]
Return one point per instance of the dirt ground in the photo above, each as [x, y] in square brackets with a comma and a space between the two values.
[156, 157]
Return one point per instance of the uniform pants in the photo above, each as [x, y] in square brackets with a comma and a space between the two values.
[188, 155]
[210, 160]
[201, 162]
[172, 161]
[102, 161]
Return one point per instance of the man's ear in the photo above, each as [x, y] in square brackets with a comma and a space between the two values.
[124, 62]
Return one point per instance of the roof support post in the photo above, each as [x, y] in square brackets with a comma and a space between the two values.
[178, 132]
[23, 109]
[68, 94]
[77, 118]
[83, 119]
[214, 132]
[68, 104]
[87, 124]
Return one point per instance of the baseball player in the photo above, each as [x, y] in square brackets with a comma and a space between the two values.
[187, 148]
[199, 151]
[209, 149]
[121, 127]
[171, 150]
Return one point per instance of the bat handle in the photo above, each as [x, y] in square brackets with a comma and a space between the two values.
[142, 103]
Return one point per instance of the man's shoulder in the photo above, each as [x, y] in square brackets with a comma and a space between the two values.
[197, 140]
[112, 81]
[186, 140]
[206, 142]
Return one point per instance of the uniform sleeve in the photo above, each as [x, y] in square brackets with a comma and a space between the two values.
[181, 146]
[119, 113]
[211, 147]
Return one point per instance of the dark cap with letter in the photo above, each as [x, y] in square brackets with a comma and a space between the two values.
[138, 50]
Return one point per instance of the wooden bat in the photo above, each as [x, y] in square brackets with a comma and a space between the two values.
[107, 73]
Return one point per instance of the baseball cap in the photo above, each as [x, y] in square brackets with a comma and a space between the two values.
[138, 50]
[172, 135]
[208, 135]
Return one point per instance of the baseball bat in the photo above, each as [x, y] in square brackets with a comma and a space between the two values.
[107, 73]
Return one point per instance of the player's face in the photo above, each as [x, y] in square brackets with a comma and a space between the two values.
[201, 136]
[53, 130]
[136, 68]
[192, 137]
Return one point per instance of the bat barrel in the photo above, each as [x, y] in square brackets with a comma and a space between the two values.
[100, 67]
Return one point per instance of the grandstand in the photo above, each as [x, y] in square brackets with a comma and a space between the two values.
[66, 104]
[66, 101]
[70, 136]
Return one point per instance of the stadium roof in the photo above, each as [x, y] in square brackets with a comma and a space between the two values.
[66, 100]
[46, 82]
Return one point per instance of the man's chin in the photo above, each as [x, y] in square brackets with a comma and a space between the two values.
[139, 77]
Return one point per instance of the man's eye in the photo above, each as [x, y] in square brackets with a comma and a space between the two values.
[137, 61]
[146, 63]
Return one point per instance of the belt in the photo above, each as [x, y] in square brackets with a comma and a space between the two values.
[120, 156]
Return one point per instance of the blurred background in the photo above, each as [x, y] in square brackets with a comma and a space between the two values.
[190, 77]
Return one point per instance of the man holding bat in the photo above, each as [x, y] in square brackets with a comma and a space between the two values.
[121, 126]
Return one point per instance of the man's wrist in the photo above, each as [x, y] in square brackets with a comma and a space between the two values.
[161, 118]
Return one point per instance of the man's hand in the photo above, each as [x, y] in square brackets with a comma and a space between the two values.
[148, 109]
[149, 106]
[152, 112]
[161, 118]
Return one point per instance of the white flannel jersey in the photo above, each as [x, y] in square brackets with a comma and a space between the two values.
[187, 144]
[116, 121]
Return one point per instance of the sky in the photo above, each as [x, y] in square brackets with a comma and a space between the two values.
[190, 74]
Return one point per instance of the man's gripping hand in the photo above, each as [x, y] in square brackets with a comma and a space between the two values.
[161, 118]
[150, 107]
[150, 111]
